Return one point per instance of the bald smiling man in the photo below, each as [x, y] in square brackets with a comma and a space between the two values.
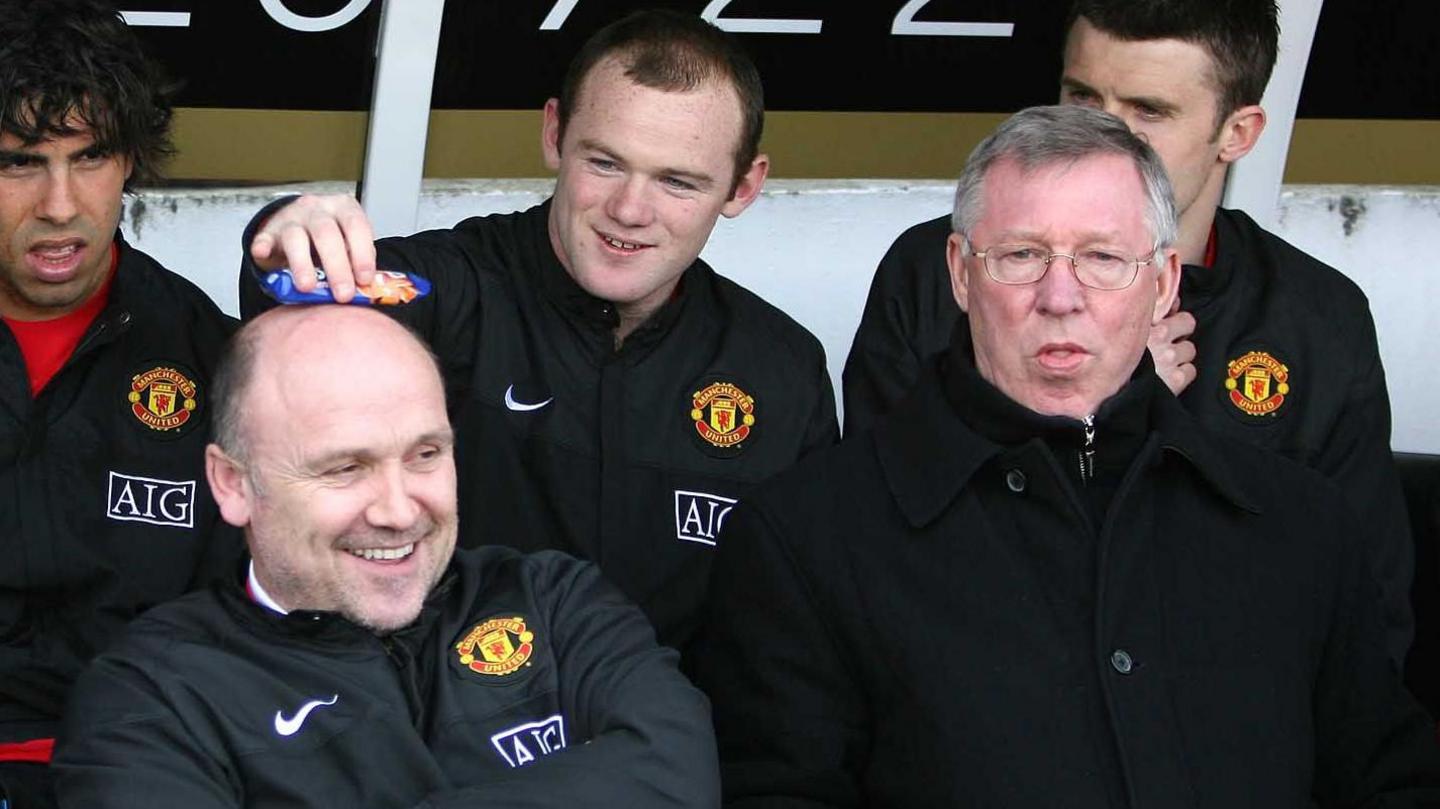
[359, 660]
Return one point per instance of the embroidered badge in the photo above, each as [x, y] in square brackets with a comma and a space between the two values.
[1257, 383]
[523, 744]
[699, 516]
[497, 647]
[724, 415]
[151, 500]
[163, 398]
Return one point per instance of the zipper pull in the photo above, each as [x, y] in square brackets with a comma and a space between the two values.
[1087, 455]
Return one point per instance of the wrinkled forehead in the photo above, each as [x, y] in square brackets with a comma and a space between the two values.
[1093, 197]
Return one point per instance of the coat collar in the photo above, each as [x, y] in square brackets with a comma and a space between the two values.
[954, 421]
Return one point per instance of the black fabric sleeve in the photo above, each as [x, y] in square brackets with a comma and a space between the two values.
[790, 720]
[1357, 457]
[650, 744]
[164, 763]
[1375, 746]
[447, 319]
[908, 317]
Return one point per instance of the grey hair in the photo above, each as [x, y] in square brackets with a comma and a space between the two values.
[1044, 136]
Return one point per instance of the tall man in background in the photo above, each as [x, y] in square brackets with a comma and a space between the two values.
[613, 396]
[1266, 344]
[105, 359]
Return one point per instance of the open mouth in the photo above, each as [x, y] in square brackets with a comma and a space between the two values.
[383, 554]
[56, 260]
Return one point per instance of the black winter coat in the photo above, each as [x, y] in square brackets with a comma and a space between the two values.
[940, 613]
[1266, 315]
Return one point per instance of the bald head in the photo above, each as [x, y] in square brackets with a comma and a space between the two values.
[310, 354]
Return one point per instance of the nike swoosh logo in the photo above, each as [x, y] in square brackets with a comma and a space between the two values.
[289, 727]
[522, 407]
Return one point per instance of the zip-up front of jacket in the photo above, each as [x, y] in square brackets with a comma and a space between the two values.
[104, 510]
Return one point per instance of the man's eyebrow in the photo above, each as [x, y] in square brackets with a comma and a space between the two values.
[1069, 83]
[19, 156]
[440, 438]
[697, 178]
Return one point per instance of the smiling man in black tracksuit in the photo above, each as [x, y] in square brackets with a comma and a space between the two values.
[360, 661]
[105, 361]
[1267, 345]
[613, 395]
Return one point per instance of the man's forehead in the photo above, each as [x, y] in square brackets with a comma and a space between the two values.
[72, 130]
[1155, 64]
[1029, 201]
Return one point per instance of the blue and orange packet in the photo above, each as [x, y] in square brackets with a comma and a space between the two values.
[389, 288]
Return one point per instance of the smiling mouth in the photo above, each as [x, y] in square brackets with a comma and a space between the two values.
[383, 554]
[624, 246]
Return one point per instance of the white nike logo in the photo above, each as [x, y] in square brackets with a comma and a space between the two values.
[521, 407]
[289, 727]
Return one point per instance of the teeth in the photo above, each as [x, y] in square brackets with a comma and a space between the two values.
[384, 553]
[622, 245]
[58, 253]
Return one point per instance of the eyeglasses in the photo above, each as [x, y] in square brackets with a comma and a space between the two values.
[1094, 267]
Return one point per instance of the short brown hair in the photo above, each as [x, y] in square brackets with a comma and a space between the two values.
[674, 52]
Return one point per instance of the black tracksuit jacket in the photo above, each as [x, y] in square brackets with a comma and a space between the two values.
[527, 681]
[104, 510]
[1261, 305]
[943, 612]
[613, 467]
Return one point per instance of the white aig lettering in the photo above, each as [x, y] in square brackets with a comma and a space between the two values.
[150, 500]
[700, 516]
[523, 744]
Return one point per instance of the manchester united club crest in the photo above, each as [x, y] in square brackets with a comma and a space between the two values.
[724, 415]
[163, 398]
[497, 647]
[1257, 383]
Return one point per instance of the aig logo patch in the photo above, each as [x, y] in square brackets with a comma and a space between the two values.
[523, 744]
[700, 516]
[151, 500]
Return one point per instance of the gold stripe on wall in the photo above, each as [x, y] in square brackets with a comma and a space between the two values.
[267, 145]
[278, 145]
[1374, 152]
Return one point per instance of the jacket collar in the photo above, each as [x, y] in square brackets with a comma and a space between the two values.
[322, 627]
[595, 314]
[955, 421]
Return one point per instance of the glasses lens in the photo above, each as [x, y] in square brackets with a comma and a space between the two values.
[1015, 263]
[1105, 269]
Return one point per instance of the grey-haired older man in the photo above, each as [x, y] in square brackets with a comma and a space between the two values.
[1039, 582]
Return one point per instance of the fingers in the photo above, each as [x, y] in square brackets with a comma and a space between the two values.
[1175, 326]
[332, 230]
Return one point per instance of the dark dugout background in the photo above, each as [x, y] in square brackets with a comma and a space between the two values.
[873, 102]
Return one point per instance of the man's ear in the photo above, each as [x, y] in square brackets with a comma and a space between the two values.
[747, 190]
[550, 134]
[955, 260]
[1240, 132]
[1167, 284]
[230, 486]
